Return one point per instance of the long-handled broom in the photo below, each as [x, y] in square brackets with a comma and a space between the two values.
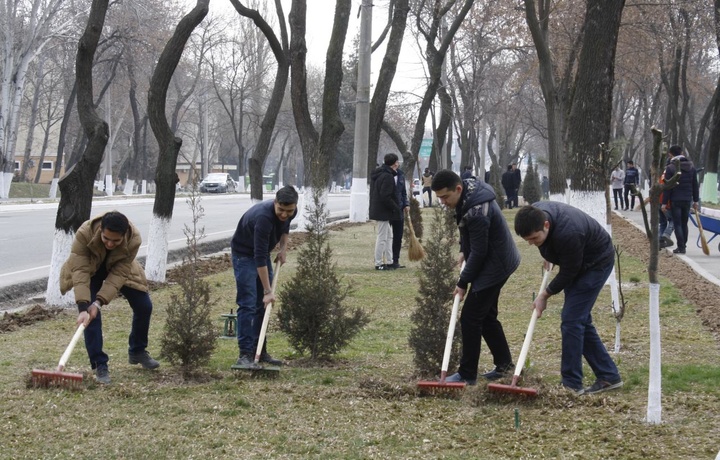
[441, 386]
[415, 249]
[58, 378]
[513, 388]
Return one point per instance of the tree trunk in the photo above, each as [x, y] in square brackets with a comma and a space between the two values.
[386, 75]
[77, 184]
[165, 176]
[590, 116]
[280, 49]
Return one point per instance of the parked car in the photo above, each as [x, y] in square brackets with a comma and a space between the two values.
[218, 183]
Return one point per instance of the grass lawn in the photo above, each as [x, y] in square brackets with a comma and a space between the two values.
[365, 404]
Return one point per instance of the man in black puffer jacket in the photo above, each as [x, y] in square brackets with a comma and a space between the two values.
[384, 207]
[682, 196]
[580, 246]
[491, 256]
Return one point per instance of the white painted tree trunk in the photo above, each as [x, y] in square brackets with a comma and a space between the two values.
[53, 188]
[306, 206]
[359, 200]
[5, 182]
[143, 187]
[156, 261]
[109, 186]
[654, 407]
[129, 187]
[241, 184]
[62, 243]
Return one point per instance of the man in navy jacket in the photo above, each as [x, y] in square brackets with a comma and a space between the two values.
[682, 196]
[580, 246]
[490, 258]
[260, 229]
[398, 225]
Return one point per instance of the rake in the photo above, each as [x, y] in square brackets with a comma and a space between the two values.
[58, 378]
[513, 388]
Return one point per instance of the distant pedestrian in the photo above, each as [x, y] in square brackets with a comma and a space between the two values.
[632, 180]
[546, 187]
[467, 173]
[427, 178]
[384, 207]
[508, 183]
[683, 196]
[617, 181]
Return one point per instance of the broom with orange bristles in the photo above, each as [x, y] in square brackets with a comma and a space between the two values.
[58, 378]
[415, 250]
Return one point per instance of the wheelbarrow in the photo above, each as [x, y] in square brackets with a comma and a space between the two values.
[709, 225]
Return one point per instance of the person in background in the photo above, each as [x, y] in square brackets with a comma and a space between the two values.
[683, 196]
[262, 227]
[426, 179]
[490, 256]
[517, 182]
[398, 225]
[508, 183]
[103, 262]
[466, 173]
[632, 179]
[580, 246]
[384, 207]
[545, 187]
[617, 181]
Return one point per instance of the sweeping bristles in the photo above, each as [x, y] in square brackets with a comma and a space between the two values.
[415, 249]
[50, 379]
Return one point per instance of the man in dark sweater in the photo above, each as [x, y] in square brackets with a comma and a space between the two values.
[398, 225]
[260, 229]
[580, 246]
[490, 257]
[683, 196]
[632, 179]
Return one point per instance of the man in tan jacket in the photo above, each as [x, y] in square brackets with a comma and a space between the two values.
[101, 264]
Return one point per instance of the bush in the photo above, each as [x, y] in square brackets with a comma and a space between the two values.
[313, 314]
[189, 337]
[532, 189]
[438, 277]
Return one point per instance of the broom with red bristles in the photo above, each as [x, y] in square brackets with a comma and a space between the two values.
[513, 388]
[58, 378]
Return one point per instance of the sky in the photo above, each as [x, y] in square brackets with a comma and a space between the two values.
[320, 13]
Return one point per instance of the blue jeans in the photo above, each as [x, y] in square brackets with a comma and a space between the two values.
[142, 311]
[579, 337]
[680, 215]
[666, 223]
[249, 299]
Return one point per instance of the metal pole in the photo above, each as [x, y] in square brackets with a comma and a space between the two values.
[359, 198]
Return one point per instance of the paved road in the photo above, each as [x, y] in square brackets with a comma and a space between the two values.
[707, 266]
[27, 230]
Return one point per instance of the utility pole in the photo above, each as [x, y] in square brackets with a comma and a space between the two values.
[359, 198]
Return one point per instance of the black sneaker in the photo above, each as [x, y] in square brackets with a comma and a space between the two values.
[266, 358]
[396, 265]
[601, 385]
[457, 378]
[144, 359]
[573, 391]
[380, 267]
[102, 375]
[389, 266]
[668, 243]
[679, 251]
[497, 373]
[247, 361]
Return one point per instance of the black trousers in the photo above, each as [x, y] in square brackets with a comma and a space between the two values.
[479, 321]
[397, 230]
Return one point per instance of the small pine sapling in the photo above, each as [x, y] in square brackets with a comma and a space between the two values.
[532, 190]
[189, 337]
[313, 314]
[437, 278]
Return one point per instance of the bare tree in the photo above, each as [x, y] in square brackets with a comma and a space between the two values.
[165, 176]
[77, 184]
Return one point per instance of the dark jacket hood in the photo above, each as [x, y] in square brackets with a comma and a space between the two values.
[474, 193]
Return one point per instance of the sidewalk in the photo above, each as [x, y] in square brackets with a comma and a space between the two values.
[706, 266]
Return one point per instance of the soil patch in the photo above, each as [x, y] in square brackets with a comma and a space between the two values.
[13, 321]
[696, 289]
